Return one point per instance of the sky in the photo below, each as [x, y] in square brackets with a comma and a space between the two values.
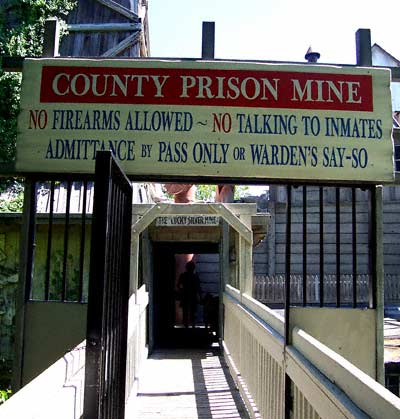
[276, 30]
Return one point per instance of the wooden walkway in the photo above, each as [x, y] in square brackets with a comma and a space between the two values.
[187, 384]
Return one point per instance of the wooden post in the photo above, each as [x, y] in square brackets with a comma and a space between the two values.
[51, 39]
[225, 193]
[147, 261]
[247, 259]
[363, 48]
[27, 238]
[208, 41]
[271, 255]
[224, 276]
[380, 279]
[133, 278]
[364, 58]
[288, 332]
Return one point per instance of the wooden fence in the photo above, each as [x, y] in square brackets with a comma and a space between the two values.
[270, 289]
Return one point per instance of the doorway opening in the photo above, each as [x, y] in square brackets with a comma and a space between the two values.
[169, 326]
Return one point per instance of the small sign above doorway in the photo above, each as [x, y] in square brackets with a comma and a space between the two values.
[199, 220]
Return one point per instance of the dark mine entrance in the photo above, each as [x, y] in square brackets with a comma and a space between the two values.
[169, 261]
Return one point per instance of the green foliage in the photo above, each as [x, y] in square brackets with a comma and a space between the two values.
[22, 24]
[5, 380]
[241, 191]
[12, 198]
[205, 192]
[21, 34]
[13, 204]
[9, 106]
[4, 395]
[56, 276]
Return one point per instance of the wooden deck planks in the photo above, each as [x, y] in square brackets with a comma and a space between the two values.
[187, 384]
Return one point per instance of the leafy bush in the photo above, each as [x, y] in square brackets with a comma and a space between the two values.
[21, 34]
[4, 395]
[5, 379]
[12, 195]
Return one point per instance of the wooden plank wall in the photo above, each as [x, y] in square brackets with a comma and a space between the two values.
[391, 237]
[94, 44]
[269, 255]
[207, 267]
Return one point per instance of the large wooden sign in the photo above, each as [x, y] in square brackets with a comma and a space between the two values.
[207, 119]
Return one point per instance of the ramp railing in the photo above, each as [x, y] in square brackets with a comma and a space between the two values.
[56, 393]
[325, 385]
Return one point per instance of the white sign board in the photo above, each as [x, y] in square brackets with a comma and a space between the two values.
[192, 220]
[207, 119]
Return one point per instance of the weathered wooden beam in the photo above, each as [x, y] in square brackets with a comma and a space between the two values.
[51, 38]
[118, 8]
[104, 27]
[123, 45]
[148, 218]
[233, 221]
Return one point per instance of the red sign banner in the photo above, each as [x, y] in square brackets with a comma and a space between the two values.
[207, 87]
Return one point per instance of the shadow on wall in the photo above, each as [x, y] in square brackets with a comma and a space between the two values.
[8, 293]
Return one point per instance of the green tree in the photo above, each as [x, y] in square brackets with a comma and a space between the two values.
[21, 34]
[207, 192]
[22, 24]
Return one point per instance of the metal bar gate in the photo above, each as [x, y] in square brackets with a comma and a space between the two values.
[107, 320]
[352, 238]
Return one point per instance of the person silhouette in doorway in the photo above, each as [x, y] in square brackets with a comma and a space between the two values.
[189, 288]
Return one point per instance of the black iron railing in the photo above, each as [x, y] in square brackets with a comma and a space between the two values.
[344, 226]
[58, 239]
[107, 320]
